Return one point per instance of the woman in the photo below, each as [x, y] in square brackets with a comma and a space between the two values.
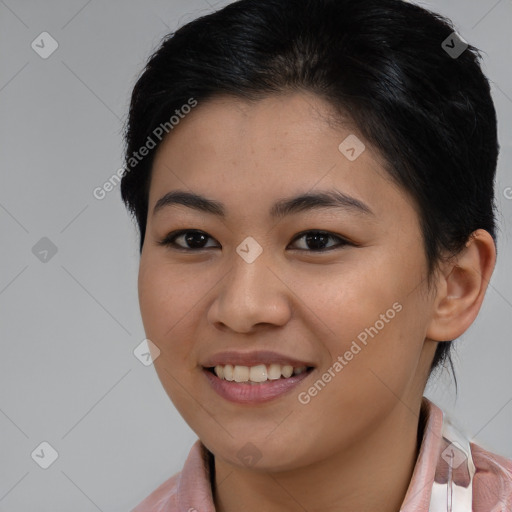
[313, 185]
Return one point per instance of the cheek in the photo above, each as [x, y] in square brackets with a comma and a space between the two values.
[379, 314]
[166, 298]
[351, 299]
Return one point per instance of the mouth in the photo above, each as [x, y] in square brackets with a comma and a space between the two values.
[256, 374]
[255, 384]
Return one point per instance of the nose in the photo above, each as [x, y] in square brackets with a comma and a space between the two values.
[250, 297]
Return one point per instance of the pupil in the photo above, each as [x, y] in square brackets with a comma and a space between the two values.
[314, 238]
[189, 238]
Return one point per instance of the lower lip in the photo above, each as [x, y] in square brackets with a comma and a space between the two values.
[243, 393]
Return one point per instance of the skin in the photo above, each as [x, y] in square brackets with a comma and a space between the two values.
[354, 445]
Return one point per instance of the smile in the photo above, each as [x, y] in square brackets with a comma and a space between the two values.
[237, 384]
[256, 374]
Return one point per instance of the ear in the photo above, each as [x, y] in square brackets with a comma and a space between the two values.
[461, 288]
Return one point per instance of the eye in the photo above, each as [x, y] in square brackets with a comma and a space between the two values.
[195, 240]
[317, 239]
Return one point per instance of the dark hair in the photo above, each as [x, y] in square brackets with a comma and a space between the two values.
[386, 65]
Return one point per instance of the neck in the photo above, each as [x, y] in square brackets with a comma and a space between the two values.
[373, 473]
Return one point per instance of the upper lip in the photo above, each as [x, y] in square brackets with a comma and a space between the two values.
[252, 359]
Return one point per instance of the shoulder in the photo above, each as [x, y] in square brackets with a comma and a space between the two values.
[163, 498]
[492, 484]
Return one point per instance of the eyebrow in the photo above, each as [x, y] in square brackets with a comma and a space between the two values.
[305, 202]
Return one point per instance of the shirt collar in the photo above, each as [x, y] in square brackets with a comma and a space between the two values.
[418, 494]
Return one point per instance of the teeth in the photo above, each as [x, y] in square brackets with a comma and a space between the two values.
[301, 369]
[241, 373]
[259, 373]
[274, 371]
[228, 372]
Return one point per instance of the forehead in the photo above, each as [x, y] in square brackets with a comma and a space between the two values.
[245, 152]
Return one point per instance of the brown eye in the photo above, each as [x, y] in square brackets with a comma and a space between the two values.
[316, 241]
[190, 240]
[195, 240]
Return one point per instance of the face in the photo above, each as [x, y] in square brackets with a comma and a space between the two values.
[339, 287]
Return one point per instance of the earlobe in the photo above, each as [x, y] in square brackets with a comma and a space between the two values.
[462, 284]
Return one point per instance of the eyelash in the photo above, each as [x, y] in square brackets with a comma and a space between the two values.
[169, 240]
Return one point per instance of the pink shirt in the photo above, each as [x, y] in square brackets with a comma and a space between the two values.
[450, 475]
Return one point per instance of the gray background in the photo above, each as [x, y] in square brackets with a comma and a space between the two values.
[69, 325]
